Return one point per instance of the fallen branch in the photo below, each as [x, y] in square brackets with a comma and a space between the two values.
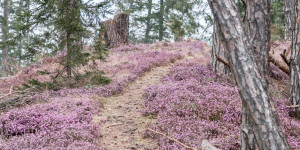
[272, 59]
[7, 95]
[11, 89]
[277, 63]
[288, 51]
[11, 93]
[223, 61]
[295, 106]
[283, 56]
[172, 139]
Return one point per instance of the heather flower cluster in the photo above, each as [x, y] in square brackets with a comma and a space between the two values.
[63, 123]
[194, 104]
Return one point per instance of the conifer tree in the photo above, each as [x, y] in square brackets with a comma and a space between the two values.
[71, 22]
[5, 37]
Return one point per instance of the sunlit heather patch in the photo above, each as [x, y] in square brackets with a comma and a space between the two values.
[62, 123]
[193, 104]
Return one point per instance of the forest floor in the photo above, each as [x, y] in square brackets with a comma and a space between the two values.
[122, 123]
[168, 81]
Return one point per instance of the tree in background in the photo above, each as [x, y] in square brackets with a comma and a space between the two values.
[176, 27]
[165, 19]
[254, 93]
[5, 37]
[180, 17]
[295, 57]
[277, 20]
[70, 21]
[148, 21]
[289, 18]
[218, 52]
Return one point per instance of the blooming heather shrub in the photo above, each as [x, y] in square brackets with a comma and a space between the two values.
[291, 127]
[192, 104]
[64, 123]
[139, 64]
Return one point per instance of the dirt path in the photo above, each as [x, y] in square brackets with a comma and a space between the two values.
[124, 124]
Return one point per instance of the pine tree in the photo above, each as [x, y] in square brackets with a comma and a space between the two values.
[295, 58]
[164, 19]
[5, 37]
[69, 21]
[257, 103]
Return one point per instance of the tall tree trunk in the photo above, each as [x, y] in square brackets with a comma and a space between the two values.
[289, 18]
[69, 53]
[161, 20]
[295, 60]
[254, 94]
[218, 49]
[258, 31]
[5, 31]
[258, 28]
[148, 21]
[70, 36]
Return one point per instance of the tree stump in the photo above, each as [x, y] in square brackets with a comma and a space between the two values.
[115, 32]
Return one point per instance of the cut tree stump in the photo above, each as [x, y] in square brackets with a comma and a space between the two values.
[115, 32]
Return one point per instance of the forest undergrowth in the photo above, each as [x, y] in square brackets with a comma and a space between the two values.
[191, 103]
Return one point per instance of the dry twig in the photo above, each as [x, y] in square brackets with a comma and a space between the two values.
[294, 106]
[223, 61]
[284, 55]
[188, 147]
[11, 93]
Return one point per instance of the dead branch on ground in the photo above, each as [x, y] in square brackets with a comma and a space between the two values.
[279, 64]
[188, 147]
[272, 59]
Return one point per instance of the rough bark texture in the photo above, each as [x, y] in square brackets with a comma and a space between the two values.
[254, 93]
[259, 34]
[69, 52]
[148, 20]
[295, 61]
[218, 50]
[161, 20]
[5, 31]
[289, 18]
[258, 31]
[116, 31]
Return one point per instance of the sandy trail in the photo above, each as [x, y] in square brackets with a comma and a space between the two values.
[122, 124]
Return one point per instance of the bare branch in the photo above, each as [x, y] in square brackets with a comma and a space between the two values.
[172, 139]
[223, 61]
